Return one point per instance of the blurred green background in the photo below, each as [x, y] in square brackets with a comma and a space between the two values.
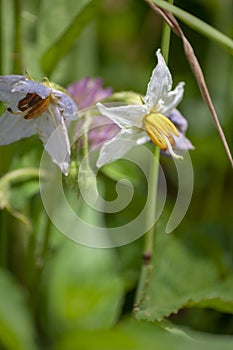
[55, 294]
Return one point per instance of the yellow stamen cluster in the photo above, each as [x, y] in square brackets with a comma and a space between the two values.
[161, 130]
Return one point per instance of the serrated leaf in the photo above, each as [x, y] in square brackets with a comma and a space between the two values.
[16, 331]
[189, 269]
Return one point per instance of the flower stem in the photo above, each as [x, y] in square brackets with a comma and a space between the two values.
[19, 174]
[17, 63]
[149, 237]
[152, 187]
[166, 36]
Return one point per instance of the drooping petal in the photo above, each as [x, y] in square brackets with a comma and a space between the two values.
[7, 83]
[178, 120]
[125, 116]
[14, 128]
[68, 108]
[160, 83]
[10, 80]
[53, 133]
[172, 99]
[25, 85]
[183, 144]
[117, 147]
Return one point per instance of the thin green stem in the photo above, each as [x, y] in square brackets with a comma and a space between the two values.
[153, 184]
[149, 237]
[152, 187]
[19, 174]
[18, 60]
[196, 24]
[166, 36]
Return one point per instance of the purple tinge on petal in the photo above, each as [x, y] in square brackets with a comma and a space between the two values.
[101, 130]
[178, 120]
[88, 91]
[183, 144]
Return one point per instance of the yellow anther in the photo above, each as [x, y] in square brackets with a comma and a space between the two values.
[161, 130]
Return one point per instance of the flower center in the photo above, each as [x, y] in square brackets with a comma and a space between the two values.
[161, 130]
[33, 104]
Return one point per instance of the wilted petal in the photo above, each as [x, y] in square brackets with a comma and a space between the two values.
[172, 99]
[53, 133]
[7, 83]
[66, 105]
[125, 116]
[116, 148]
[30, 86]
[160, 83]
[14, 128]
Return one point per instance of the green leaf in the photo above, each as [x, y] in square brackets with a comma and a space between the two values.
[140, 336]
[66, 41]
[192, 269]
[16, 331]
[197, 24]
[83, 289]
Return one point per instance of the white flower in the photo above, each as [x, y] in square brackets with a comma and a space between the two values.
[142, 122]
[32, 108]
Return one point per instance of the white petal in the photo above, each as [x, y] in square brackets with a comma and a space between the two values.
[172, 100]
[117, 147]
[160, 83]
[29, 86]
[53, 133]
[13, 128]
[7, 83]
[142, 137]
[67, 107]
[10, 80]
[124, 116]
